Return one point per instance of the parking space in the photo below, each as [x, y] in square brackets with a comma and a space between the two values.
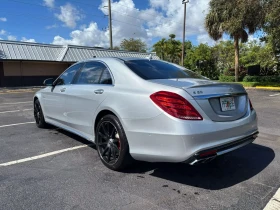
[67, 173]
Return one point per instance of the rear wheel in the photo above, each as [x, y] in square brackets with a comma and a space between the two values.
[111, 143]
[38, 115]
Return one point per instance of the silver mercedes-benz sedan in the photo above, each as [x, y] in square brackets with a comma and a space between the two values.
[148, 110]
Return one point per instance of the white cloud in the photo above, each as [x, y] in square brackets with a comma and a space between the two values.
[2, 32]
[3, 19]
[205, 39]
[12, 38]
[162, 18]
[49, 3]
[159, 3]
[69, 15]
[89, 36]
[252, 38]
[27, 40]
[52, 26]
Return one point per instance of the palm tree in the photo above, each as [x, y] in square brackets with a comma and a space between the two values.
[238, 18]
[173, 48]
[160, 48]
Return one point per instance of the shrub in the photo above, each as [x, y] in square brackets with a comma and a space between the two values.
[224, 78]
[231, 72]
[252, 79]
[265, 79]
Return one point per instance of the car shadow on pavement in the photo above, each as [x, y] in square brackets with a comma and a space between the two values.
[225, 171]
[75, 137]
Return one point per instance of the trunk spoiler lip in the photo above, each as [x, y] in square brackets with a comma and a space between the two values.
[215, 84]
[202, 97]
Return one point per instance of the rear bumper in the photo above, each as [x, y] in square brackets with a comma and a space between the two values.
[160, 139]
[210, 154]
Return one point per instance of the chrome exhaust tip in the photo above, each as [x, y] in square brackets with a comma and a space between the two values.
[204, 160]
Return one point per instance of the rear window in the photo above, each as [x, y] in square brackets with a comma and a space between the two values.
[155, 69]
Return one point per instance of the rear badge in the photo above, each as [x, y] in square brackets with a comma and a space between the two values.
[198, 92]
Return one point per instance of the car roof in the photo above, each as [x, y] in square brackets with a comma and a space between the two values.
[115, 58]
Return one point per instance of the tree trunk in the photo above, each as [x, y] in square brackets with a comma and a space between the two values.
[236, 47]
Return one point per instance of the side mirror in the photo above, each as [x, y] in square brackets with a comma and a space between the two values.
[48, 82]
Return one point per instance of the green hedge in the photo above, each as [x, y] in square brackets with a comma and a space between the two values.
[264, 79]
[224, 78]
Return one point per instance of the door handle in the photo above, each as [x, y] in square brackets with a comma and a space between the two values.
[99, 91]
[62, 89]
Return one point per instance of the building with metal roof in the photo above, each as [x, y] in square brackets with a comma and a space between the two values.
[27, 64]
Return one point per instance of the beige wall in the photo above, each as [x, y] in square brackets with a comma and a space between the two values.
[11, 68]
[15, 68]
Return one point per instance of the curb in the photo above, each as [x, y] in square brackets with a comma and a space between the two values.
[267, 88]
[263, 88]
[19, 90]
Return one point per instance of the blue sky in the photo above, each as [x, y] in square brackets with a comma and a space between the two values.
[83, 22]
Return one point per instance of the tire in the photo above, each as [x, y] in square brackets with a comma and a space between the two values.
[38, 115]
[112, 144]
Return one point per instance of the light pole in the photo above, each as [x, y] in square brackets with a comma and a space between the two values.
[110, 24]
[184, 30]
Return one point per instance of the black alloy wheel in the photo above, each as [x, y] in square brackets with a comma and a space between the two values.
[111, 143]
[38, 115]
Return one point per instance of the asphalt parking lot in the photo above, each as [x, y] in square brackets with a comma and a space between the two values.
[76, 179]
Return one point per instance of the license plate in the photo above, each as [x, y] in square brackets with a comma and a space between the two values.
[227, 104]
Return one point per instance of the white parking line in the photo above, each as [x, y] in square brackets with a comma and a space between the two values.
[43, 155]
[275, 94]
[25, 102]
[274, 202]
[9, 111]
[3, 126]
[24, 110]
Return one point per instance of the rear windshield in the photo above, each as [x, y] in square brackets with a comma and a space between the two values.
[155, 69]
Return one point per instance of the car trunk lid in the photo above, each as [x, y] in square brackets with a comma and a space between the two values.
[221, 102]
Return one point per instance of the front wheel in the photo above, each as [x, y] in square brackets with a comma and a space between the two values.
[111, 143]
[38, 115]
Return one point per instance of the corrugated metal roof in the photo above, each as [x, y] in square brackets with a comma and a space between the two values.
[13, 50]
[29, 51]
[75, 53]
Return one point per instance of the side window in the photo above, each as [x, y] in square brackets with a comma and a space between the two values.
[67, 77]
[91, 73]
[106, 77]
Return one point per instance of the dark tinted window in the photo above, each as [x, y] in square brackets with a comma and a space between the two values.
[91, 73]
[154, 69]
[106, 77]
[67, 76]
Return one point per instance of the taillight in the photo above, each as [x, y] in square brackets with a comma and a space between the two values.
[251, 106]
[175, 105]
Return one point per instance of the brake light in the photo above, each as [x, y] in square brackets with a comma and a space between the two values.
[251, 106]
[175, 105]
